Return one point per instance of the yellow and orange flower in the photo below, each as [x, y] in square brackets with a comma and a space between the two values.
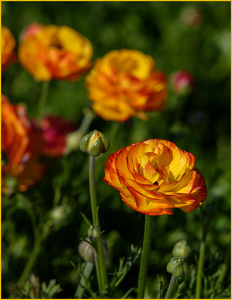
[8, 56]
[21, 145]
[49, 51]
[124, 83]
[155, 176]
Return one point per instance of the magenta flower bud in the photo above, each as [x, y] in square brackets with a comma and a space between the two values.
[182, 82]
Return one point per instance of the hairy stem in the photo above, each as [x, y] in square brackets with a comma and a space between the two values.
[42, 99]
[145, 256]
[96, 222]
[171, 287]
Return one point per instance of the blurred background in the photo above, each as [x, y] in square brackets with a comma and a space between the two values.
[191, 36]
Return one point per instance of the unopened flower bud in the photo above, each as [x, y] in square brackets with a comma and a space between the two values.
[86, 251]
[181, 249]
[58, 214]
[182, 83]
[93, 232]
[177, 266]
[94, 143]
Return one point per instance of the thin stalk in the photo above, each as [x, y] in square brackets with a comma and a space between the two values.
[145, 256]
[81, 286]
[42, 99]
[96, 222]
[30, 262]
[171, 287]
[74, 138]
[200, 266]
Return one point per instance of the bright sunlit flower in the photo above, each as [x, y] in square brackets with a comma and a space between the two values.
[21, 146]
[54, 132]
[124, 83]
[49, 51]
[8, 56]
[155, 176]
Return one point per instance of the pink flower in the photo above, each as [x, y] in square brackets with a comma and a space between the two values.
[54, 132]
[182, 82]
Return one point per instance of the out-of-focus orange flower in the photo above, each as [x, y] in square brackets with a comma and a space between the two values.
[124, 83]
[54, 132]
[155, 176]
[49, 51]
[8, 56]
[21, 145]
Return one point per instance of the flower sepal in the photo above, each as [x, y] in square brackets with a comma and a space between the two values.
[94, 143]
[177, 266]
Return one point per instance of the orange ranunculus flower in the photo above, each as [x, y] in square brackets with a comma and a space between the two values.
[124, 83]
[155, 176]
[8, 56]
[21, 145]
[49, 51]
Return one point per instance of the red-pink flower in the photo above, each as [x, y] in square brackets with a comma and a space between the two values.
[182, 82]
[54, 132]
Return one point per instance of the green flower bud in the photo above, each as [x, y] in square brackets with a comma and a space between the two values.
[86, 251]
[4, 158]
[94, 143]
[58, 214]
[177, 266]
[93, 232]
[181, 249]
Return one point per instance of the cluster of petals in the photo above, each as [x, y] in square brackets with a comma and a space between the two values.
[21, 145]
[124, 83]
[54, 132]
[155, 176]
[8, 56]
[50, 51]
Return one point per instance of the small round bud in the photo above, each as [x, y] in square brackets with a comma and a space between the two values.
[94, 143]
[58, 214]
[4, 158]
[181, 249]
[177, 266]
[93, 232]
[182, 82]
[86, 251]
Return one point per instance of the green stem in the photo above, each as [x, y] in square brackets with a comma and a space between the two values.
[200, 266]
[145, 256]
[171, 287]
[30, 262]
[96, 222]
[42, 99]
[81, 286]
[74, 138]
